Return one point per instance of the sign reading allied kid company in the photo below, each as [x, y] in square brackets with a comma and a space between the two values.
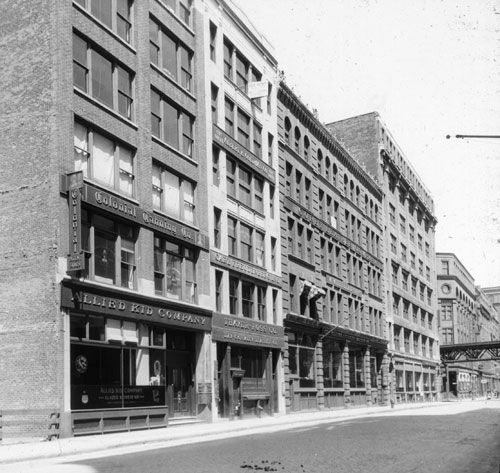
[76, 259]
[243, 331]
[88, 301]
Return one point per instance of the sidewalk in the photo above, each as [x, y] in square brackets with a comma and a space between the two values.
[201, 432]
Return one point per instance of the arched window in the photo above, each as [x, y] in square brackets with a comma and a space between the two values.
[335, 174]
[346, 185]
[306, 148]
[358, 192]
[376, 213]
[351, 191]
[320, 162]
[288, 127]
[296, 143]
[327, 168]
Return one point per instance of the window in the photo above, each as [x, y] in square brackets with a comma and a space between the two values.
[103, 240]
[257, 140]
[180, 8]
[242, 68]
[215, 166]
[218, 290]
[101, 78]
[247, 299]
[273, 254]
[171, 124]
[228, 60]
[445, 267]
[392, 213]
[243, 133]
[103, 160]
[174, 270]
[332, 364]
[446, 311]
[270, 141]
[214, 92]
[229, 116]
[394, 244]
[217, 227]
[213, 41]
[356, 370]
[115, 14]
[301, 365]
[245, 242]
[244, 186]
[173, 195]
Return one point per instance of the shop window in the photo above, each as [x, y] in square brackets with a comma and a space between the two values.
[301, 356]
[173, 195]
[171, 124]
[356, 370]
[175, 270]
[102, 78]
[104, 160]
[115, 14]
[332, 364]
[119, 374]
[109, 249]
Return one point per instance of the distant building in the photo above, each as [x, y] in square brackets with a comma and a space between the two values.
[409, 233]
[332, 268]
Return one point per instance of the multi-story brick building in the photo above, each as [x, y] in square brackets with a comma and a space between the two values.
[332, 267]
[108, 281]
[409, 226]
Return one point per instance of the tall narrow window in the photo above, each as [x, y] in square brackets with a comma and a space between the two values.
[228, 60]
[217, 227]
[214, 94]
[213, 40]
[215, 166]
[229, 117]
[218, 290]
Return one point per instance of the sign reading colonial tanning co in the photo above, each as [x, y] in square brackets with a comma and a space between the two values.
[76, 260]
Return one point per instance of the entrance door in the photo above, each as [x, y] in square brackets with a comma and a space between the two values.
[180, 384]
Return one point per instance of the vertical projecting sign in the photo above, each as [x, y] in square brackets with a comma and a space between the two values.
[76, 260]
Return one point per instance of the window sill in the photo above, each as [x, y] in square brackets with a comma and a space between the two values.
[104, 107]
[173, 81]
[170, 148]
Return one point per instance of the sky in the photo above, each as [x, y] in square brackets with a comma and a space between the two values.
[431, 68]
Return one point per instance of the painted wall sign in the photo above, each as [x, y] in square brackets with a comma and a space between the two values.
[100, 199]
[239, 151]
[240, 266]
[76, 259]
[329, 230]
[243, 331]
[88, 301]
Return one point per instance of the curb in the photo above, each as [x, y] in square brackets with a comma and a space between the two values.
[188, 433]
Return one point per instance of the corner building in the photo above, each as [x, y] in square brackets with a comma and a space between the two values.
[409, 248]
[332, 268]
[241, 174]
[107, 304]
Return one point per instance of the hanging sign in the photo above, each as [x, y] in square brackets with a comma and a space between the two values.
[76, 260]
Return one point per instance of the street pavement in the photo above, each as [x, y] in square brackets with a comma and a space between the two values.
[96, 446]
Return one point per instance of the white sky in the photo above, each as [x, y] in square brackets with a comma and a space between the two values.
[430, 68]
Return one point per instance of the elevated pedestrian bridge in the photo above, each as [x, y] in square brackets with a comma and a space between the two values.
[478, 351]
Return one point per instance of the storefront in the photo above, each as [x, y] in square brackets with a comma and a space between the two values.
[248, 352]
[133, 359]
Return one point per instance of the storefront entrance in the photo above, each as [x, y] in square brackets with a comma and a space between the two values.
[180, 385]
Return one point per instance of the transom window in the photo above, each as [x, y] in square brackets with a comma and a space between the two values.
[109, 249]
[170, 55]
[171, 124]
[102, 78]
[103, 160]
[115, 14]
[173, 194]
[175, 270]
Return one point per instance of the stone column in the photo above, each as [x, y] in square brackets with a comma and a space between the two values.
[368, 376]
[346, 377]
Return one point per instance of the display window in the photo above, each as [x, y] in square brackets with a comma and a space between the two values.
[116, 364]
[301, 350]
[332, 364]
